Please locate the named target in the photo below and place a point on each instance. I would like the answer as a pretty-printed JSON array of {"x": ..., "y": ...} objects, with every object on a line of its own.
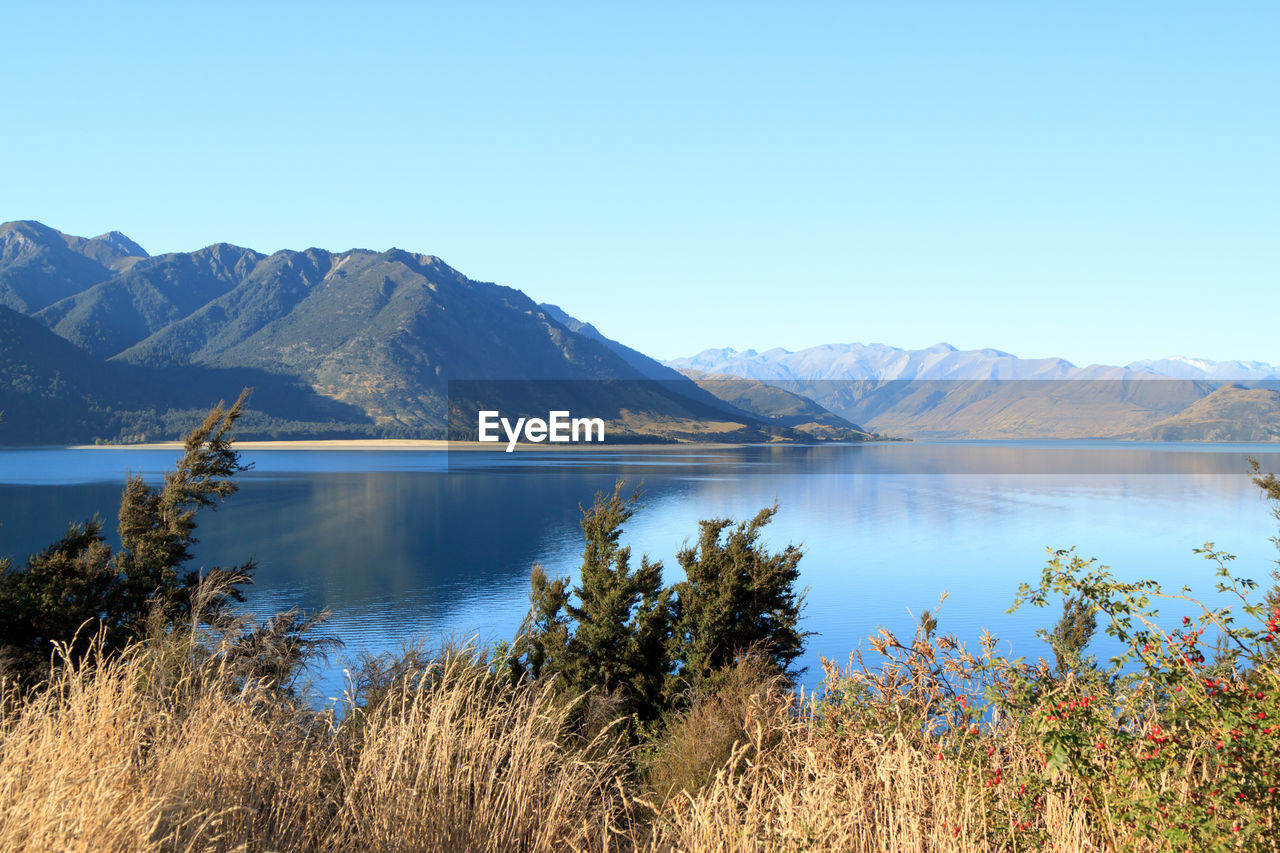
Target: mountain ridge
[
  {"x": 1228, "y": 413},
  {"x": 362, "y": 341},
  {"x": 856, "y": 361},
  {"x": 742, "y": 396},
  {"x": 367, "y": 343},
  {"x": 940, "y": 392}
]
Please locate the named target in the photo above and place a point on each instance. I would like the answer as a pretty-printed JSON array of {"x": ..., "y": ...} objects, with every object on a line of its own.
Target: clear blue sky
[{"x": 1099, "y": 181}]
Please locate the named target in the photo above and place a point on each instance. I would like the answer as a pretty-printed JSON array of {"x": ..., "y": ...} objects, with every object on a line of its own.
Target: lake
[{"x": 401, "y": 545}]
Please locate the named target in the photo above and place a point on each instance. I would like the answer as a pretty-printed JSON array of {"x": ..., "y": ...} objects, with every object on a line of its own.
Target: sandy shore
[
  {"x": 327, "y": 444},
  {"x": 408, "y": 444}
]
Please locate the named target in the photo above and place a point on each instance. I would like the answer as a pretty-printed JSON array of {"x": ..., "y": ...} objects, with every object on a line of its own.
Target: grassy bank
[
  {"x": 140, "y": 755},
  {"x": 628, "y": 715},
  {"x": 171, "y": 747}
]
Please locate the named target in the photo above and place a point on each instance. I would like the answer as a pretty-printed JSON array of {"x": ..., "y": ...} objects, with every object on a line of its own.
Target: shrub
[
  {"x": 736, "y": 596},
  {"x": 620, "y": 617},
  {"x": 726, "y": 720},
  {"x": 78, "y": 591},
  {"x": 620, "y": 633},
  {"x": 1169, "y": 746}
]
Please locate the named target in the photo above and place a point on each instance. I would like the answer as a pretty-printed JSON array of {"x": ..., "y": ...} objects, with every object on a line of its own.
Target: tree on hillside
[{"x": 78, "y": 588}]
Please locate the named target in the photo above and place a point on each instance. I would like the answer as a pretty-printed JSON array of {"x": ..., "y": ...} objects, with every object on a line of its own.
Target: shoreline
[
  {"x": 444, "y": 445},
  {"x": 427, "y": 444}
]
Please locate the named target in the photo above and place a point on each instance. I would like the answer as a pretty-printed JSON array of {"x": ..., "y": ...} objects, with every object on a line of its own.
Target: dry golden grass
[
  {"x": 856, "y": 792},
  {"x": 456, "y": 760},
  {"x": 165, "y": 749},
  {"x": 799, "y": 782},
  {"x": 473, "y": 764}
]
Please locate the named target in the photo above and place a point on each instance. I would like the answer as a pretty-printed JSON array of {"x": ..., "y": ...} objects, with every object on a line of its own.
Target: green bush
[
  {"x": 79, "y": 592},
  {"x": 619, "y": 632}
]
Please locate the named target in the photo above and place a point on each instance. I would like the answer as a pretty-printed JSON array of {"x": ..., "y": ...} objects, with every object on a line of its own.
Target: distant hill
[
  {"x": 50, "y": 391},
  {"x": 103, "y": 341},
  {"x": 1230, "y": 413},
  {"x": 944, "y": 393},
  {"x": 113, "y": 250},
  {"x": 942, "y": 361},
  {"x": 778, "y": 405},
  {"x": 380, "y": 331},
  {"x": 754, "y": 399},
  {"x": 877, "y": 361},
  {"x": 127, "y": 308},
  {"x": 1004, "y": 408},
  {"x": 1180, "y": 367},
  {"x": 125, "y": 346}
]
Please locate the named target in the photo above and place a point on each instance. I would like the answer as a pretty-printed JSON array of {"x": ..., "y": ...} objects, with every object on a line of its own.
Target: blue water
[{"x": 402, "y": 545}]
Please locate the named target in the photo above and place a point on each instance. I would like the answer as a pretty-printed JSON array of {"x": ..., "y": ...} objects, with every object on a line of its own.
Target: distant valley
[{"x": 944, "y": 393}]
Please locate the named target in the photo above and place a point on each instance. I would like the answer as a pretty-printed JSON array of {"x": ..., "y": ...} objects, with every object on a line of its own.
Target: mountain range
[
  {"x": 944, "y": 393},
  {"x": 943, "y": 361},
  {"x": 102, "y": 341}
]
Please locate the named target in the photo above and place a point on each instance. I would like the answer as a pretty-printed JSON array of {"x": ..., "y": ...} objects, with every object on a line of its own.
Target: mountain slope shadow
[{"x": 279, "y": 406}]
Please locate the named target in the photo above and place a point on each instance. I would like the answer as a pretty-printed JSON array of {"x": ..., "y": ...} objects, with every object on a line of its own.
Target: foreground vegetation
[{"x": 628, "y": 715}]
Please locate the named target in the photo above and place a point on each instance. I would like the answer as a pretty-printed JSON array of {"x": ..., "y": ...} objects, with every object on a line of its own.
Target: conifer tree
[
  {"x": 622, "y": 632},
  {"x": 78, "y": 589},
  {"x": 1071, "y": 635},
  {"x": 620, "y": 616},
  {"x": 157, "y": 526},
  {"x": 63, "y": 593},
  {"x": 546, "y": 634},
  {"x": 736, "y": 598}
]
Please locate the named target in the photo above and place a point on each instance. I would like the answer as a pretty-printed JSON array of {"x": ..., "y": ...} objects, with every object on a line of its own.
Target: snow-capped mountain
[
  {"x": 943, "y": 361},
  {"x": 1181, "y": 367},
  {"x": 878, "y": 361}
]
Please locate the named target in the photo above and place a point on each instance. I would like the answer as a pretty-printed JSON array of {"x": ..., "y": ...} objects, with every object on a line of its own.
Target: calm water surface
[{"x": 401, "y": 545}]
